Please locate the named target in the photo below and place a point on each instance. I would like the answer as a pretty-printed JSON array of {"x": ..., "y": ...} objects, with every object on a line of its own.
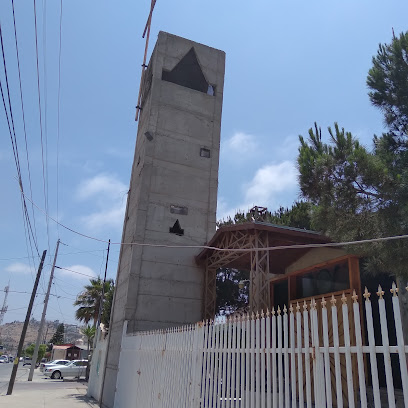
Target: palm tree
[
  {"x": 89, "y": 300},
  {"x": 89, "y": 332}
]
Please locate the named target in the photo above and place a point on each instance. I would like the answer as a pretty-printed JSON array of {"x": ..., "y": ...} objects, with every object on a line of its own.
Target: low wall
[{"x": 97, "y": 367}]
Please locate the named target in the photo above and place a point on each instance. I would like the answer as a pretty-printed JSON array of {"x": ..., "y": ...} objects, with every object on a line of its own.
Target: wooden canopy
[{"x": 253, "y": 236}]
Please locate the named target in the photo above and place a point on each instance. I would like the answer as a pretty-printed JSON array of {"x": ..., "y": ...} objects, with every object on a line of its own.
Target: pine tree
[
  {"x": 58, "y": 337},
  {"x": 361, "y": 194}
]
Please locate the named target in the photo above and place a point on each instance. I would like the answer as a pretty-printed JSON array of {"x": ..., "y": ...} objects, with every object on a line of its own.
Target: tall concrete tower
[{"x": 173, "y": 193}]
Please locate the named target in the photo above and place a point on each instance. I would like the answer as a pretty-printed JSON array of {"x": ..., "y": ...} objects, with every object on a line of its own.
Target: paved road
[
  {"x": 5, "y": 372},
  {"x": 41, "y": 382}
]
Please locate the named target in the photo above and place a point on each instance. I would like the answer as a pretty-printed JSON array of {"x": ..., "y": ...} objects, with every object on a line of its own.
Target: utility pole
[
  {"x": 23, "y": 333},
  {"x": 47, "y": 296},
  {"x": 103, "y": 289}
]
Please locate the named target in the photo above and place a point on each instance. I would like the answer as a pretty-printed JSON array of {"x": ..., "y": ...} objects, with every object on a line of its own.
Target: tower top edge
[{"x": 163, "y": 34}]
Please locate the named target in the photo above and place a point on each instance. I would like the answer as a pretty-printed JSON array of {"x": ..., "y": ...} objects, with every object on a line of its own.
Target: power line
[
  {"x": 22, "y": 110},
  {"x": 38, "y": 293},
  {"x": 41, "y": 124},
  {"x": 67, "y": 253},
  {"x": 60, "y": 288},
  {"x": 275, "y": 248},
  {"x": 14, "y": 144},
  {"x": 58, "y": 109},
  {"x": 44, "y": 49},
  {"x": 79, "y": 273}
]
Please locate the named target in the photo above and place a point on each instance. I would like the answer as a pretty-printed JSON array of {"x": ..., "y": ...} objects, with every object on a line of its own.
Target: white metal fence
[{"x": 319, "y": 353}]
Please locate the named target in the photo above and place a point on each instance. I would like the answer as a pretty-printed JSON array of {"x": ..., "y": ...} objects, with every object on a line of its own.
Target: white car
[
  {"x": 76, "y": 368},
  {"x": 52, "y": 363},
  {"x": 4, "y": 359}
]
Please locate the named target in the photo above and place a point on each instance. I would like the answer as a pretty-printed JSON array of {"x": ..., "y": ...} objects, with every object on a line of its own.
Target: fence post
[
  {"x": 349, "y": 370},
  {"x": 371, "y": 345},
  {"x": 286, "y": 355},
  {"x": 263, "y": 357},
  {"x": 280, "y": 368},
  {"x": 359, "y": 344},
  {"x": 299, "y": 354},
  {"x": 337, "y": 369},
  {"x": 292, "y": 354},
  {"x": 196, "y": 366},
  {"x": 247, "y": 361},
  {"x": 400, "y": 342},
  {"x": 329, "y": 401},
  {"x": 274, "y": 385},
  {"x": 307, "y": 355},
  {"x": 320, "y": 397},
  {"x": 386, "y": 348},
  {"x": 268, "y": 361}
]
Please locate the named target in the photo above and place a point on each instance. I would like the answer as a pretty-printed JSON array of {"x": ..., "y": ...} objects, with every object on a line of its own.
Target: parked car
[
  {"x": 76, "y": 368},
  {"x": 4, "y": 359},
  {"x": 52, "y": 363}
]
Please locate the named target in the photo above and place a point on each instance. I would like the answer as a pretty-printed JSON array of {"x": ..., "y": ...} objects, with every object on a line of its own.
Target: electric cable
[
  {"x": 23, "y": 114},
  {"x": 38, "y": 294},
  {"x": 60, "y": 288},
  {"x": 44, "y": 50},
  {"x": 79, "y": 273},
  {"x": 59, "y": 306},
  {"x": 58, "y": 109},
  {"x": 41, "y": 124},
  {"x": 14, "y": 143}
]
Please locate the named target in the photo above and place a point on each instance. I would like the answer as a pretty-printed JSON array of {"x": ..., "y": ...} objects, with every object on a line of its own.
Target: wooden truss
[
  {"x": 254, "y": 238},
  {"x": 259, "y": 268}
]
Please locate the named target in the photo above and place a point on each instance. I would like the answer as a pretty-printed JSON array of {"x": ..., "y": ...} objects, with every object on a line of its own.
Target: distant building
[{"x": 69, "y": 352}]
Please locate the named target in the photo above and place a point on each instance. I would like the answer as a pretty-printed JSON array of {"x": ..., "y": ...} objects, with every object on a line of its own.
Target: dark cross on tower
[{"x": 146, "y": 33}]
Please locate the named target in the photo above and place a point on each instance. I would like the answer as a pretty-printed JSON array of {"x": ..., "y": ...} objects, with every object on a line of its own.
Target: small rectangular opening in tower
[
  {"x": 178, "y": 209},
  {"x": 205, "y": 152}
]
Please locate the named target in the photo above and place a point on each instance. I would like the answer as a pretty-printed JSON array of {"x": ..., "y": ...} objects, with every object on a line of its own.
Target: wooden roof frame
[{"x": 255, "y": 237}]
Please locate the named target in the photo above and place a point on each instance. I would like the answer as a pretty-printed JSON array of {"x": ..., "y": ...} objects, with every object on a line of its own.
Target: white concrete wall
[{"x": 97, "y": 368}]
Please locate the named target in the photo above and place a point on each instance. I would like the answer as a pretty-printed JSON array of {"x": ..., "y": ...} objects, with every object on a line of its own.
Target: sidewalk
[
  {"x": 43, "y": 392},
  {"x": 72, "y": 396}
]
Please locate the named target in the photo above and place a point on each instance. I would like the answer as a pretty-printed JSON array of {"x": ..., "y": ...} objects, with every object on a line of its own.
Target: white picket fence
[{"x": 312, "y": 355}]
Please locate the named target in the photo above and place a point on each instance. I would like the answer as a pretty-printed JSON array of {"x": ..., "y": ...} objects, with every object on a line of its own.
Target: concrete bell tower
[{"x": 173, "y": 194}]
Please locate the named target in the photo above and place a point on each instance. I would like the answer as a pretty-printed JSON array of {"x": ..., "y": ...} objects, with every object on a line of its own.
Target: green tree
[
  {"x": 58, "y": 337},
  {"x": 361, "y": 194},
  {"x": 388, "y": 83},
  {"x": 89, "y": 332},
  {"x": 89, "y": 301},
  {"x": 298, "y": 216},
  {"x": 229, "y": 296},
  {"x": 107, "y": 307},
  {"x": 29, "y": 351}
]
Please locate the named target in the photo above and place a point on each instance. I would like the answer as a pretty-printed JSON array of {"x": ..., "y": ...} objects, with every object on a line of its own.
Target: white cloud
[
  {"x": 108, "y": 195},
  {"x": 111, "y": 217},
  {"x": 272, "y": 185},
  {"x": 270, "y": 180},
  {"x": 240, "y": 143},
  {"x": 18, "y": 267},
  {"x": 81, "y": 269},
  {"x": 100, "y": 184}
]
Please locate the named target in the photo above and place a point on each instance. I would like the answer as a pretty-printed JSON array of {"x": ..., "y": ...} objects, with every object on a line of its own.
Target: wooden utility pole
[
  {"x": 40, "y": 330},
  {"x": 23, "y": 333}
]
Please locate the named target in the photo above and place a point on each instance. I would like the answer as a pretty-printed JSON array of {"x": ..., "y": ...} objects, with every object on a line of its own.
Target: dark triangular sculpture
[
  {"x": 187, "y": 73},
  {"x": 176, "y": 229}
]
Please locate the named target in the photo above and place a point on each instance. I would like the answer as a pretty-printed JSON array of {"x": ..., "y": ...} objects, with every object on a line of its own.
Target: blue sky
[{"x": 289, "y": 64}]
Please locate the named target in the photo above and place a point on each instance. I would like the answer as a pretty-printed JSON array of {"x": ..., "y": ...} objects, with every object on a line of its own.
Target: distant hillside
[{"x": 10, "y": 333}]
